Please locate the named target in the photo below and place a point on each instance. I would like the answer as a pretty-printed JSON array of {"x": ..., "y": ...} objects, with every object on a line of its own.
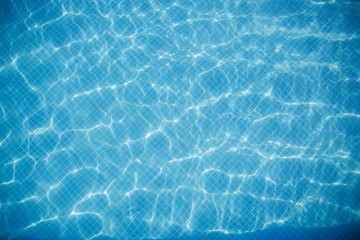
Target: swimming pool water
[{"x": 165, "y": 119}]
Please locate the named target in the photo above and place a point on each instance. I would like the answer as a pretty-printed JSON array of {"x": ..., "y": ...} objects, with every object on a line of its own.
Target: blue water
[{"x": 179, "y": 119}]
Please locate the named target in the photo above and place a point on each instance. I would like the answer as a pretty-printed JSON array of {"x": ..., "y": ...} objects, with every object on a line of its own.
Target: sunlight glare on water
[{"x": 153, "y": 119}]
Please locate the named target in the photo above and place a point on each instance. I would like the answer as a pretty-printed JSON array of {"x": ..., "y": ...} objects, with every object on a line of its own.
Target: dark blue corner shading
[{"x": 179, "y": 119}]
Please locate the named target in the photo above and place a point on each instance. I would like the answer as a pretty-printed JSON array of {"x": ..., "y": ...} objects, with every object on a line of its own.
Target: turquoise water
[{"x": 175, "y": 119}]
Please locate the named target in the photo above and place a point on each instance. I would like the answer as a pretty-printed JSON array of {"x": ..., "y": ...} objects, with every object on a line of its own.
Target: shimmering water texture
[{"x": 162, "y": 119}]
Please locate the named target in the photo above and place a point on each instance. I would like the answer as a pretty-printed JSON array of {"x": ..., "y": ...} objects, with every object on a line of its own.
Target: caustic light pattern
[{"x": 169, "y": 118}]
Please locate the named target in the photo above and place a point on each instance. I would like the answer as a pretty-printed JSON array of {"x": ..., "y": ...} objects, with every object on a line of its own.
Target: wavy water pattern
[{"x": 171, "y": 118}]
